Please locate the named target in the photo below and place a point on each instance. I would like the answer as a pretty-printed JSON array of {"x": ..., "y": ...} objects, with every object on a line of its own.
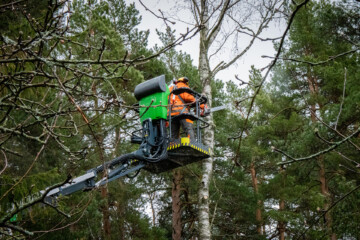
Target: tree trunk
[
  {"x": 106, "y": 213},
  {"x": 176, "y": 205},
  {"x": 104, "y": 190},
  {"x": 151, "y": 198},
  {"x": 208, "y": 139},
  {"x": 314, "y": 89},
  {"x": 325, "y": 192},
  {"x": 281, "y": 223},
  {"x": 259, "y": 203},
  {"x": 121, "y": 211},
  {"x": 204, "y": 218}
]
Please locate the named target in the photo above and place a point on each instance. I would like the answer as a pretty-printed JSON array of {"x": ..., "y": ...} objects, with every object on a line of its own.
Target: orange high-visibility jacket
[{"x": 177, "y": 106}]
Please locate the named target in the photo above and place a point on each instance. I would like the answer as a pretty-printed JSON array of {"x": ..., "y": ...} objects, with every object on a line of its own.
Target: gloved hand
[{"x": 205, "y": 111}]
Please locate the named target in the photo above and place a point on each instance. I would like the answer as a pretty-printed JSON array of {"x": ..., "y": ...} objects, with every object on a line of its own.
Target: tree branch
[
  {"x": 22, "y": 207},
  {"x": 331, "y": 58},
  {"x": 215, "y": 30},
  {"x": 327, "y": 210},
  {"x": 18, "y": 228},
  {"x": 157, "y": 16},
  {"x": 29, "y": 169},
  {"x": 332, "y": 147},
  {"x": 6, "y": 162},
  {"x": 11, "y": 4},
  {"x": 266, "y": 20},
  {"x": 342, "y": 100}
]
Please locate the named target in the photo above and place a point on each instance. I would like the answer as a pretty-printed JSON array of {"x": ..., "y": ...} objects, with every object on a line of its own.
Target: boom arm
[
  {"x": 153, "y": 148},
  {"x": 115, "y": 169}
]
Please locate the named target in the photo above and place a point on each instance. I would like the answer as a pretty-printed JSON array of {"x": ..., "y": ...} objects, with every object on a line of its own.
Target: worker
[{"x": 181, "y": 104}]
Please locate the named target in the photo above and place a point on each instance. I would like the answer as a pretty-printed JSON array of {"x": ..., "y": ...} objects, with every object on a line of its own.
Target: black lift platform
[
  {"x": 155, "y": 154},
  {"x": 181, "y": 152}
]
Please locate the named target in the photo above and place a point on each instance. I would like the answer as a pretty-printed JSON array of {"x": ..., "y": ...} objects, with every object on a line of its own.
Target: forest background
[{"x": 285, "y": 161}]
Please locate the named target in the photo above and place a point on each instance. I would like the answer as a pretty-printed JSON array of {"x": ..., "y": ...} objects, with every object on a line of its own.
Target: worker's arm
[{"x": 187, "y": 97}]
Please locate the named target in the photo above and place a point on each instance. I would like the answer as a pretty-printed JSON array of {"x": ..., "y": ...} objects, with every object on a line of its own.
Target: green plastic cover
[{"x": 154, "y": 106}]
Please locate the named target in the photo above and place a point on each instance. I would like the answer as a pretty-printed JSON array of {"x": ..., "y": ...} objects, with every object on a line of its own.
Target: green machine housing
[{"x": 153, "y": 99}]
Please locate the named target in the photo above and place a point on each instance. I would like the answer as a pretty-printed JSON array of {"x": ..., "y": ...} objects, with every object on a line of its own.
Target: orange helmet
[{"x": 182, "y": 79}]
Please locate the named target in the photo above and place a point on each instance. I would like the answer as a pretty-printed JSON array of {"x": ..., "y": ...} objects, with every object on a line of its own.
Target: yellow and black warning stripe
[{"x": 185, "y": 142}]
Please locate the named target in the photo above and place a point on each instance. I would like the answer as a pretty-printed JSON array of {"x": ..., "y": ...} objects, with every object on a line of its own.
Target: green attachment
[
  {"x": 14, "y": 218},
  {"x": 154, "y": 106}
]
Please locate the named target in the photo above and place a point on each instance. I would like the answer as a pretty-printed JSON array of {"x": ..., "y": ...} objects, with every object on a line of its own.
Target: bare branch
[
  {"x": 58, "y": 210},
  {"x": 259, "y": 38},
  {"x": 332, "y": 147},
  {"x": 342, "y": 100},
  {"x": 11, "y": 151},
  {"x": 331, "y": 143},
  {"x": 82, "y": 211},
  {"x": 327, "y": 210},
  {"x": 196, "y": 12},
  {"x": 215, "y": 30},
  {"x": 29, "y": 169},
  {"x": 6, "y": 162},
  {"x": 160, "y": 17},
  {"x": 11, "y": 4},
  {"x": 331, "y": 58},
  {"x": 17, "y": 228},
  {"x": 102, "y": 49},
  {"x": 34, "y": 201},
  {"x": 321, "y": 138},
  {"x": 345, "y": 157},
  {"x": 266, "y": 20},
  {"x": 328, "y": 126}
]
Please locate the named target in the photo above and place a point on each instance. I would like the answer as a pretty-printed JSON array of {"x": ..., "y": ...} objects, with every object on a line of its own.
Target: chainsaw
[{"x": 207, "y": 111}]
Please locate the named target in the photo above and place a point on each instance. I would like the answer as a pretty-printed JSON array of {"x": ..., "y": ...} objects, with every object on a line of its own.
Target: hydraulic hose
[{"x": 115, "y": 161}]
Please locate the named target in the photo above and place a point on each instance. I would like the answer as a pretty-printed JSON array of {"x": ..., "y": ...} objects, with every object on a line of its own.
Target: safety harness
[{"x": 181, "y": 99}]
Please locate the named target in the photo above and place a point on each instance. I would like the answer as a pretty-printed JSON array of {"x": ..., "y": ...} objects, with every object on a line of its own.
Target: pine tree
[{"x": 316, "y": 84}]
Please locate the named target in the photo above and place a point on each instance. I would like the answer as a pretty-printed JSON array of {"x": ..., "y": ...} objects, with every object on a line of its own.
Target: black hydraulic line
[
  {"x": 169, "y": 115},
  {"x": 117, "y": 171},
  {"x": 198, "y": 132},
  {"x": 115, "y": 161},
  {"x": 121, "y": 174},
  {"x": 134, "y": 176},
  {"x": 162, "y": 146}
]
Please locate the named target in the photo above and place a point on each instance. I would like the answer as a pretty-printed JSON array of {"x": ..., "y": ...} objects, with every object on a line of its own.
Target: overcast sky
[{"x": 241, "y": 68}]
